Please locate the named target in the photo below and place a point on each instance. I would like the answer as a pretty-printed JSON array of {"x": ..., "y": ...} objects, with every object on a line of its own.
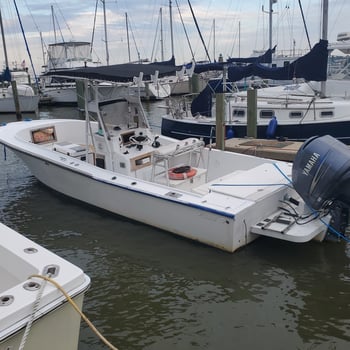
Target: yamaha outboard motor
[{"x": 321, "y": 176}]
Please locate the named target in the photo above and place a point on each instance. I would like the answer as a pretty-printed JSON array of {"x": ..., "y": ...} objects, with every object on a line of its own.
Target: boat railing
[{"x": 164, "y": 157}]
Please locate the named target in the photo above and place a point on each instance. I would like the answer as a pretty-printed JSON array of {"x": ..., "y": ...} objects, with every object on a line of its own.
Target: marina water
[{"x": 152, "y": 290}]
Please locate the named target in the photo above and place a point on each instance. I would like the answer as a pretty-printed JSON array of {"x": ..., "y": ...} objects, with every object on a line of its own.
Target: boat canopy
[{"x": 70, "y": 51}]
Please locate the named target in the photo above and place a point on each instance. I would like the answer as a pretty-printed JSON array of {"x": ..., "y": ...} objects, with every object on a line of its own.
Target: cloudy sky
[{"x": 228, "y": 27}]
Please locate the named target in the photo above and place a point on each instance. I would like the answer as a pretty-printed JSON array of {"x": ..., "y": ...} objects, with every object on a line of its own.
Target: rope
[
  {"x": 305, "y": 27},
  {"x": 31, "y": 319},
  {"x": 76, "y": 308}
]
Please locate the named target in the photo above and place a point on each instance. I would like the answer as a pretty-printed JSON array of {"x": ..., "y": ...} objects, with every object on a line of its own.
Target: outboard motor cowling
[{"x": 321, "y": 172}]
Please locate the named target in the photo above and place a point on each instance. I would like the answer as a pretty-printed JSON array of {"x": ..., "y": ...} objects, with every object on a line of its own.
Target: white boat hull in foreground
[{"x": 56, "y": 324}]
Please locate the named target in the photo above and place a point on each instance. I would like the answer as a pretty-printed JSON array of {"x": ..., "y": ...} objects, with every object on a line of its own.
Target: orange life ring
[{"x": 181, "y": 173}]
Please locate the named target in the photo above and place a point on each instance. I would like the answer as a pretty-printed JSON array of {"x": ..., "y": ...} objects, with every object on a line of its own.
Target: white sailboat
[
  {"x": 294, "y": 111},
  {"x": 15, "y": 98}
]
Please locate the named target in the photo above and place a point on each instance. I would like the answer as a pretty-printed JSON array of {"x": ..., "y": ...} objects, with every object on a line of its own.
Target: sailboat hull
[{"x": 182, "y": 128}]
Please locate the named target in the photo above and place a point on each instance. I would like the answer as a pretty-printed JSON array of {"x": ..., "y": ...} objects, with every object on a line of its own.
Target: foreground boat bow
[{"x": 51, "y": 324}]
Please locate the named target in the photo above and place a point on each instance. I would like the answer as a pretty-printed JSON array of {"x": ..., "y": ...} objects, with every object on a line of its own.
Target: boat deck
[{"x": 271, "y": 149}]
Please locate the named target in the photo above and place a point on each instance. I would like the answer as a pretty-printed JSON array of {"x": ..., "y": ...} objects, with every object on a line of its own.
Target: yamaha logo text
[{"x": 310, "y": 164}]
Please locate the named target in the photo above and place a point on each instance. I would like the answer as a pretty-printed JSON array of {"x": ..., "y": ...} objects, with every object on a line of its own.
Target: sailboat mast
[
  {"x": 239, "y": 39},
  {"x": 54, "y": 24},
  {"x": 127, "y": 34},
  {"x": 105, "y": 28},
  {"x": 171, "y": 29},
  {"x": 3, "y": 41},
  {"x": 199, "y": 32},
  {"x": 270, "y": 12},
  {"x": 270, "y": 24},
  {"x": 325, "y": 20},
  {"x": 324, "y": 36},
  {"x": 214, "y": 44},
  {"x": 161, "y": 34}
]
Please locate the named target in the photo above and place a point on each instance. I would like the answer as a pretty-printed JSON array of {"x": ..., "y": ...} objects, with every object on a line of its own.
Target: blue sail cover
[
  {"x": 264, "y": 58},
  {"x": 203, "y": 103},
  {"x": 5, "y": 75},
  {"x": 312, "y": 66},
  {"x": 217, "y": 66},
  {"x": 120, "y": 72}
]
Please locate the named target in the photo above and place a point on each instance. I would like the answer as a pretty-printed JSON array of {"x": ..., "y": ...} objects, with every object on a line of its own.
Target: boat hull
[
  {"x": 27, "y": 104},
  {"x": 209, "y": 227},
  {"x": 56, "y": 330},
  {"x": 34, "y": 312},
  {"x": 64, "y": 95},
  {"x": 182, "y": 128}
]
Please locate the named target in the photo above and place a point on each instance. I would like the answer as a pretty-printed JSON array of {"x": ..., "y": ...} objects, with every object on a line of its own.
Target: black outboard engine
[{"x": 321, "y": 176}]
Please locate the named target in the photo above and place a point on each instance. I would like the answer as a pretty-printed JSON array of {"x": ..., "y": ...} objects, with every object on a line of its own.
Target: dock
[{"x": 271, "y": 149}]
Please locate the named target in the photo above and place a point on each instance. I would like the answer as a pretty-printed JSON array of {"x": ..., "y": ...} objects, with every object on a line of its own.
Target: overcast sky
[{"x": 234, "y": 20}]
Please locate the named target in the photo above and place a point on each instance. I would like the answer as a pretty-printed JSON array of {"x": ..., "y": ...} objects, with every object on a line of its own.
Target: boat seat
[
  {"x": 70, "y": 149},
  {"x": 163, "y": 154}
]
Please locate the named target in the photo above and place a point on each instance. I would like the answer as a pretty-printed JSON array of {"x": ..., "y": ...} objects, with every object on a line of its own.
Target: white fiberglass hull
[
  {"x": 132, "y": 202},
  {"x": 60, "y": 95},
  {"x": 56, "y": 324},
  {"x": 56, "y": 330},
  {"x": 27, "y": 104}
]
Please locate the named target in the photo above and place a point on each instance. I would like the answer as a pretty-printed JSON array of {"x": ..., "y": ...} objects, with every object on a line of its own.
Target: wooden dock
[{"x": 272, "y": 149}]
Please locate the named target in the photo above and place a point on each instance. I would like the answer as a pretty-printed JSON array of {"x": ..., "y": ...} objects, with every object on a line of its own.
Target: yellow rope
[{"x": 75, "y": 306}]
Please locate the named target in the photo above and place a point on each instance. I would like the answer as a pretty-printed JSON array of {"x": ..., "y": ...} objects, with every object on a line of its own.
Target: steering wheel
[{"x": 140, "y": 139}]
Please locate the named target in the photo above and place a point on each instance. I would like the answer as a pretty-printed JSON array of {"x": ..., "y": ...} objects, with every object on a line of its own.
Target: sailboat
[
  {"x": 294, "y": 111},
  {"x": 15, "y": 98}
]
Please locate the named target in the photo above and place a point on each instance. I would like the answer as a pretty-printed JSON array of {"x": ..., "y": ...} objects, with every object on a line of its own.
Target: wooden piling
[
  {"x": 16, "y": 100},
  {"x": 80, "y": 90},
  {"x": 252, "y": 113},
  {"x": 220, "y": 120}
]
